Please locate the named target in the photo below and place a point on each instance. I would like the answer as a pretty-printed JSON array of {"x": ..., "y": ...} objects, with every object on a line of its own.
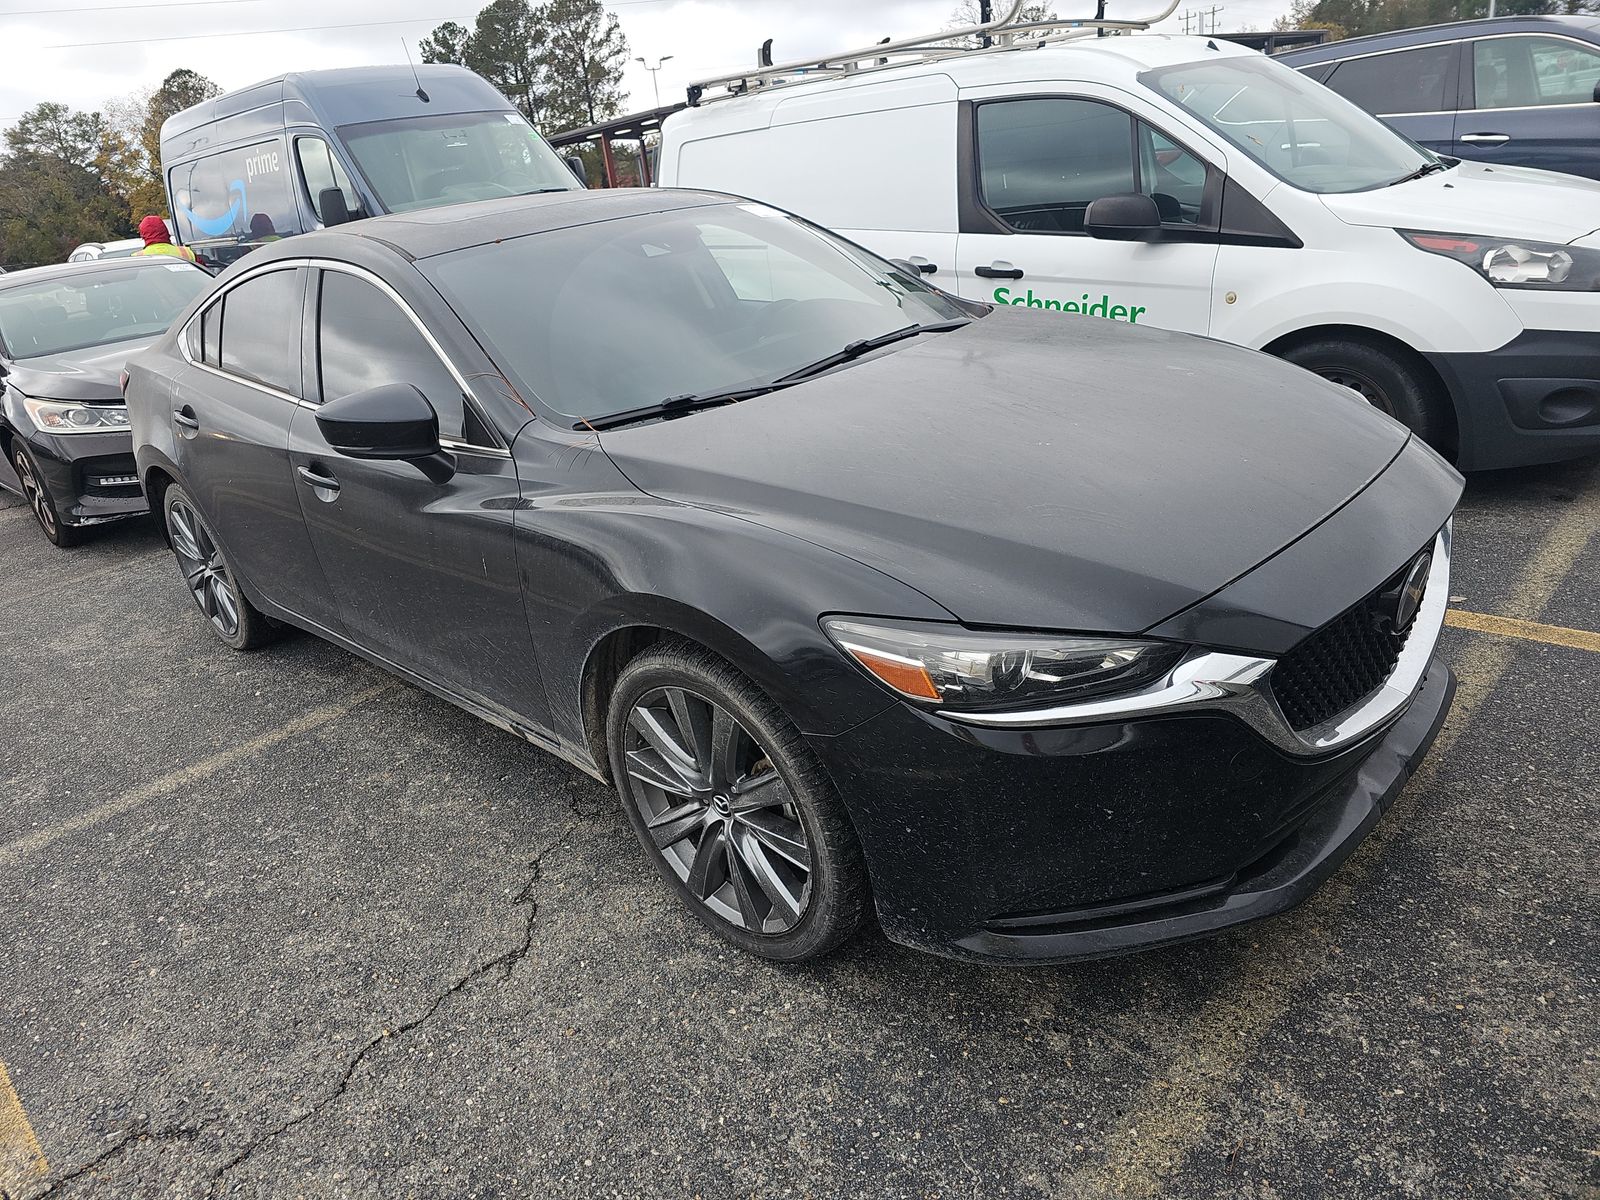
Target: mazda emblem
[{"x": 1408, "y": 596}]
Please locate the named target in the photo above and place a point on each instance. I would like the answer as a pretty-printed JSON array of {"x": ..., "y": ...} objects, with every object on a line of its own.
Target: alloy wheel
[
  {"x": 203, "y": 567},
  {"x": 1360, "y": 385},
  {"x": 717, "y": 811},
  {"x": 33, "y": 492}
]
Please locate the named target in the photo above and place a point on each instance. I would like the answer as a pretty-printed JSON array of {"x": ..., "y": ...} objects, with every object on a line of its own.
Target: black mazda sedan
[
  {"x": 1039, "y": 641},
  {"x": 65, "y": 333}
]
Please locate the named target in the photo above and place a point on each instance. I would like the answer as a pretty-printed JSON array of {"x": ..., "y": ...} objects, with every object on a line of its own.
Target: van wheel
[
  {"x": 1383, "y": 379},
  {"x": 732, "y": 807}
]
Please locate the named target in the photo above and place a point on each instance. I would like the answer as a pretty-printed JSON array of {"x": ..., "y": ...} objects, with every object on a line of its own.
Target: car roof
[
  {"x": 93, "y": 266},
  {"x": 430, "y": 231},
  {"x": 1090, "y": 59},
  {"x": 1583, "y": 27}
]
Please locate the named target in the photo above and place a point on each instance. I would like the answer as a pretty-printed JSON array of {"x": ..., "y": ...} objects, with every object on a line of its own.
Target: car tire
[
  {"x": 732, "y": 806},
  {"x": 209, "y": 575},
  {"x": 1382, "y": 378},
  {"x": 41, "y": 503}
]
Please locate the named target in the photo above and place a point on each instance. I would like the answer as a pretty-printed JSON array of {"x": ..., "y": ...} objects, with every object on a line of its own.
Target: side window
[
  {"x": 1406, "y": 81},
  {"x": 1171, "y": 176},
  {"x": 211, "y": 335},
  {"x": 259, "y": 335},
  {"x": 365, "y": 340},
  {"x": 232, "y": 201},
  {"x": 1042, "y": 162},
  {"x": 321, "y": 171},
  {"x": 1523, "y": 72}
]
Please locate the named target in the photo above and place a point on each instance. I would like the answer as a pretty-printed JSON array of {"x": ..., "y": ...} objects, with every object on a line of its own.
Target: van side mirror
[
  {"x": 332, "y": 206},
  {"x": 1126, "y": 217},
  {"x": 575, "y": 165},
  {"x": 392, "y": 422}
]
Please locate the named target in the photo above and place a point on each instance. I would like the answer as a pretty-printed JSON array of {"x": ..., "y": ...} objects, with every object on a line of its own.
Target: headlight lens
[
  {"x": 1512, "y": 263},
  {"x": 947, "y": 666},
  {"x": 54, "y": 416}
]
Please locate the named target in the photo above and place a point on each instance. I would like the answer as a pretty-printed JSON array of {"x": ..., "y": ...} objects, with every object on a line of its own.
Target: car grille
[{"x": 1342, "y": 663}]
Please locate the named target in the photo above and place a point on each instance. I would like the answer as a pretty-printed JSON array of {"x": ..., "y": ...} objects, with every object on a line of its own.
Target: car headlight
[
  {"x": 948, "y": 666},
  {"x": 1514, "y": 263},
  {"x": 55, "y": 416}
]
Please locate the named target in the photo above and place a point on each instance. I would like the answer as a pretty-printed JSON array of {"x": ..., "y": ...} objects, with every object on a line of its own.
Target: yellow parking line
[
  {"x": 22, "y": 1159},
  {"x": 1172, "y": 1117},
  {"x": 1533, "y": 631},
  {"x": 13, "y": 853}
]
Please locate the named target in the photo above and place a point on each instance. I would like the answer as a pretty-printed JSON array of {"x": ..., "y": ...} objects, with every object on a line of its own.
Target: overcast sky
[{"x": 86, "y": 52}]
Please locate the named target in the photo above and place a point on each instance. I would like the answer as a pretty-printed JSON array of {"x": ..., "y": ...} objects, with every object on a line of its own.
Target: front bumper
[
  {"x": 1069, "y": 843},
  {"x": 84, "y": 472},
  {"x": 1534, "y": 400}
]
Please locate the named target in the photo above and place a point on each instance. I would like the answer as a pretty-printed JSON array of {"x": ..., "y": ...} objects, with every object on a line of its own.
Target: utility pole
[{"x": 654, "y": 82}]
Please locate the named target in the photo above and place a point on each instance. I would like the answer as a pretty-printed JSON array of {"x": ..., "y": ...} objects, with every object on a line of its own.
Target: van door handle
[
  {"x": 1486, "y": 139},
  {"x": 923, "y": 265},
  {"x": 998, "y": 270},
  {"x": 318, "y": 480}
]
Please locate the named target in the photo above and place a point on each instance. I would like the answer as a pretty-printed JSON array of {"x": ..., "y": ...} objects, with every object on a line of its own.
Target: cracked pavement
[{"x": 396, "y": 952}]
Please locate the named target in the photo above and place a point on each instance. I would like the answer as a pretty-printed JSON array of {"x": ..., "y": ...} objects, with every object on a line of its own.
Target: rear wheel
[
  {"x": 208, "y": 575},
  {"x": 732, "y": 806},
  {"x": 1382, "y": 378},
  {"x": 37, "y": 493}
]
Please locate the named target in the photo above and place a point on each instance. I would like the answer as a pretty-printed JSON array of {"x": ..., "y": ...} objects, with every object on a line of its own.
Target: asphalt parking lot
[{"x": 278, "y": 925}]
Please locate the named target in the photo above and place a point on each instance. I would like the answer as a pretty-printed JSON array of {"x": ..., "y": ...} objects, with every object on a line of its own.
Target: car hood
[
  {"x": 89, "y": 375},
  {"x": 1477, "y": 198},
  {"x": 1032, "y": 469}
]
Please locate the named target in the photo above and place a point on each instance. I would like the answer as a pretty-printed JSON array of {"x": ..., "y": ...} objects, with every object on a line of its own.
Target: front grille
[{"x": 1342, "y": 663}]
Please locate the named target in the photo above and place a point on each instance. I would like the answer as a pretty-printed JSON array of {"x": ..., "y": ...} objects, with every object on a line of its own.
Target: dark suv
[{"x": 1514, "y": 90}]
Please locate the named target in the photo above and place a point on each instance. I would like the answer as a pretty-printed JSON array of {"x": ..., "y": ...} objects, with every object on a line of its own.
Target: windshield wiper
[
  {"x": 1427, "y": 168},
  {"x": 676, "y": 404},
  {"x": 694, "y": 401},
  {"x": 856, "y": 349}
]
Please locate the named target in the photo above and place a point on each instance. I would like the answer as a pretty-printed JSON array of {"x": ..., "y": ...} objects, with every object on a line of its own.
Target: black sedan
[
  {"x": 1040, "y": 641},
  {"x": 65, "y": 333}
]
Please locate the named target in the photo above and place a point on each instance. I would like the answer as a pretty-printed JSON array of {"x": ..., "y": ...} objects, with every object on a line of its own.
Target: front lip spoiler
[{"x": 1211, "y": 681}]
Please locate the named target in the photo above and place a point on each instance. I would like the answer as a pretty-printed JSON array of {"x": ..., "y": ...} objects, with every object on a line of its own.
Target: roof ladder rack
[{"x": 1007, "y": 32}]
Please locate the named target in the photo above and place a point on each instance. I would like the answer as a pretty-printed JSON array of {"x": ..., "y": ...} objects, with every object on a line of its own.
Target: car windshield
[
  {"x": 95, "y": 308},
  {"x": 619, "y": 315},
  {"x": 423, "y": 162},
  {"x": 1303, "y": 133}
]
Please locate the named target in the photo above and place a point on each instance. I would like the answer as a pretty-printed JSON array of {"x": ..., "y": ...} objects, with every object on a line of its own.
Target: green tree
[
  {"x": 507, "y": 48},
  {"x": 584, "y": 59},
  {"x": 446, "y": 44},
  {"x": 56, "y": 186}
]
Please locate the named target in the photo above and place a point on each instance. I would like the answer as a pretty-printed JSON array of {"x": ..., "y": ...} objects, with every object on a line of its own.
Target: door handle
[
  {"x": 923, "y": 265},
  {"x": 1486, "y": 139},
  {"x": 317, "y": 479},
  {"x": 185, "y": 419},
  {"x": 998, "y": 270}
]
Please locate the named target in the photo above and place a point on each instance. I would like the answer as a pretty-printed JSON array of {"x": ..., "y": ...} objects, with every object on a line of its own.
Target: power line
[
  {"x": 189, "y": 37},
  {"x": 50, "y": 12}
]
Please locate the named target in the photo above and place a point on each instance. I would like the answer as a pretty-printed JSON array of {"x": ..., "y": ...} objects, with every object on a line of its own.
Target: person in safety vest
[{"x": 158, "y": 241}]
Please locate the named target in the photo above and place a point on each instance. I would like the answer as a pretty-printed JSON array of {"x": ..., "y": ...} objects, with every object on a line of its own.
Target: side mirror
[
  {"x": 391, "y": 422},
  {"x": 1126, "y": 217},
  {"x": 331, "y": 204},
  {"x": 575, "y": 165}
]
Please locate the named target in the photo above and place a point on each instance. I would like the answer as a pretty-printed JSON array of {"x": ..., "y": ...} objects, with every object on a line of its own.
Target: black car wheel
[
  {"x": 37, "y": 493},
  {"x": 1381, "y": 379},
  {"x": 209, "y": 577},
  {"x": 732, "y": 806}
]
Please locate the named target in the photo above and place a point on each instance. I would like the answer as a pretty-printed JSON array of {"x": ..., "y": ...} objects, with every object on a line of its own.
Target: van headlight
[
  {"x": 1514, "y": 263},
  {"x": 949, "y": 666},
  {"x": 55, "y": 416}
]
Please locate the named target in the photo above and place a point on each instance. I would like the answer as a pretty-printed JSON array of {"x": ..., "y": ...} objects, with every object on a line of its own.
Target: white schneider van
[{"x": 1197, "y": 186}]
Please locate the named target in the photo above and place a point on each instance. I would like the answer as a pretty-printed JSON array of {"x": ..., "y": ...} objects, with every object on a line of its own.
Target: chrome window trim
[
  {"x": 1212, "y": 681},
  {"x": 499, "y": 450}
]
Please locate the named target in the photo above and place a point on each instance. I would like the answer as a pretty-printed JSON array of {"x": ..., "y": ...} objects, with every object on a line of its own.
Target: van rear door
[{"x": 1033, "y": 159}]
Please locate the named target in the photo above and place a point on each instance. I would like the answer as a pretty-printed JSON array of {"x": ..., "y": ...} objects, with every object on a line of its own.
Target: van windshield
[
  {"x": 423, "y": 162},
  {"x": 1303, "y": 133}
]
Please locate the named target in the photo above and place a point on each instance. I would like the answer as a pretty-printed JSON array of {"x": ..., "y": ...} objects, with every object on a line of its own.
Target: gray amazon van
[{"x": 317, "y": 148}]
